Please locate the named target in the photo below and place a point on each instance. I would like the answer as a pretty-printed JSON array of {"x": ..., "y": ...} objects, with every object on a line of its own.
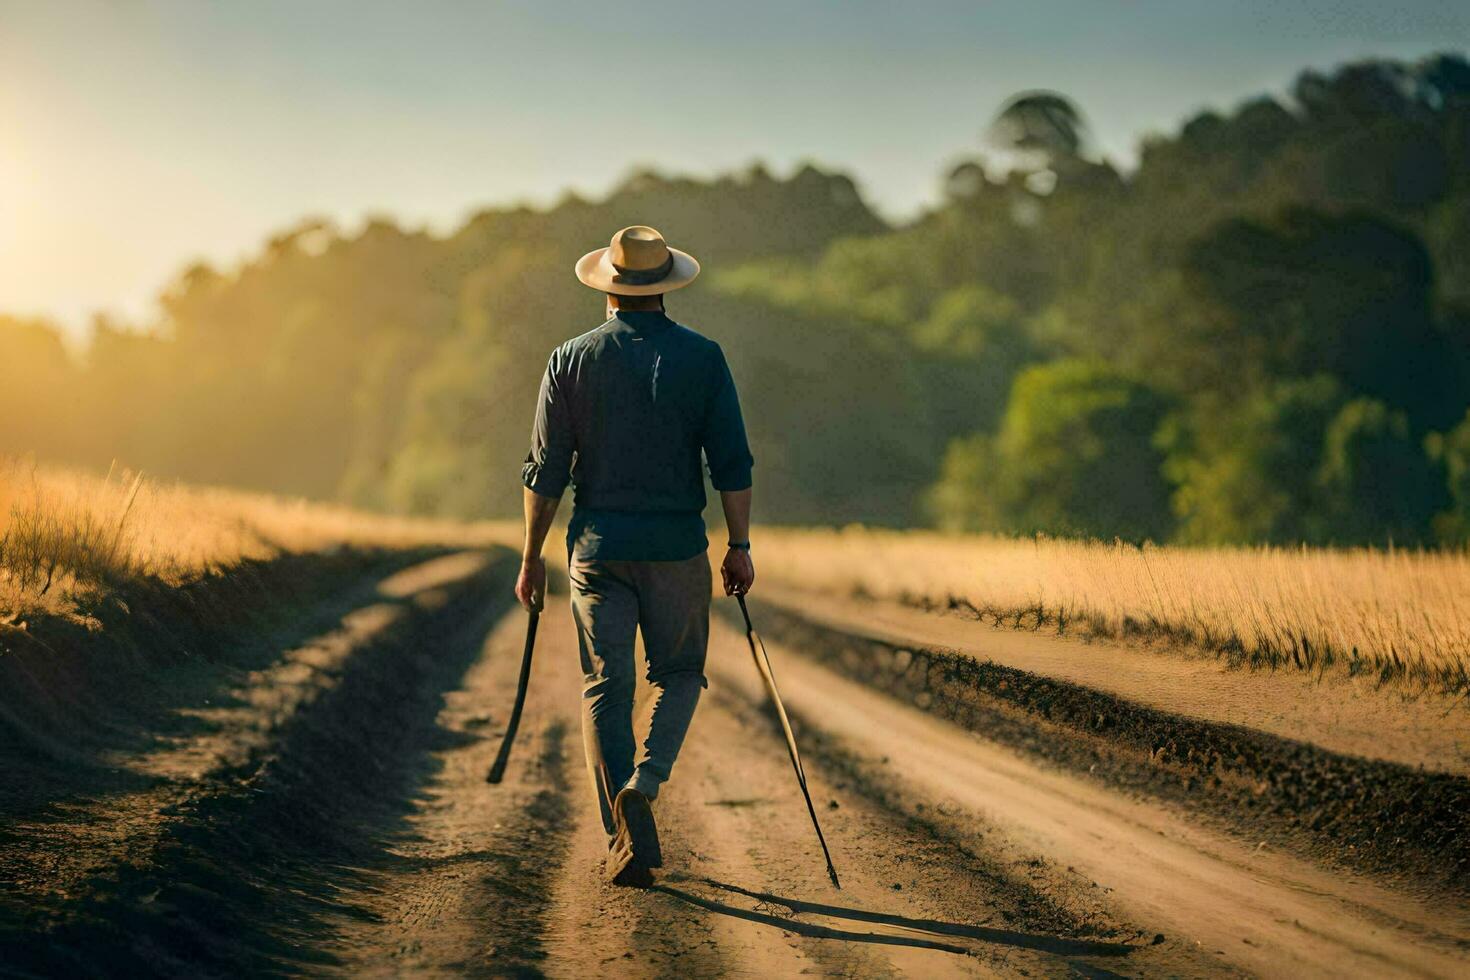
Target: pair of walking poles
[{"x": 762, "y": 664}]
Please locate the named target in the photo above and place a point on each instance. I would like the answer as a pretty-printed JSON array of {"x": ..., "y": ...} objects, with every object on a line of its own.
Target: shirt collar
[{"x": 642, "y": 319}]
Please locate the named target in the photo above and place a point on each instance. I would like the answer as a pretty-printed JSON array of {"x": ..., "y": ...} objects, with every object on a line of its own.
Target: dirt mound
[
  {"x": 75, "y": 691},
  {"x": 284, "y": 772}
]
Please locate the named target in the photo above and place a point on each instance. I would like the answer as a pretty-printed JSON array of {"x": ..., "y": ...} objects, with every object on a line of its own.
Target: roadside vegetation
[
  {"x": 1402, "y": 615},
  {"x": 67, "y": 536}
]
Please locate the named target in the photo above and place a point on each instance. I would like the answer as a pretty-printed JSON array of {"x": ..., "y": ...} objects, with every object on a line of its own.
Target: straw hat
[{"x": 637, "y": 263}]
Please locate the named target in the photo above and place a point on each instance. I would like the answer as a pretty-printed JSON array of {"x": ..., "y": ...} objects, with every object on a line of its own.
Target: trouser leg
[
  {"x": 605, "y": 608},
  {"x": 673, "y": 611}
]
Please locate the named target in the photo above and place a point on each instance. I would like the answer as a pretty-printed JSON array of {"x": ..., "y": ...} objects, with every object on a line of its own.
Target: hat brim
[{"x": 595, "y": 269}]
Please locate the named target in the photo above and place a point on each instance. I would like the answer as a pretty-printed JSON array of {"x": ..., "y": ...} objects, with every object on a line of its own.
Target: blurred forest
[{"x": 1260, "y": 334}]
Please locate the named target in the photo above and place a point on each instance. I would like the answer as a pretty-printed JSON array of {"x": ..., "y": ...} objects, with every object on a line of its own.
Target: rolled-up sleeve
[
  {"x": 726, "y": 449},
  {"x": 548, "y": 466}
]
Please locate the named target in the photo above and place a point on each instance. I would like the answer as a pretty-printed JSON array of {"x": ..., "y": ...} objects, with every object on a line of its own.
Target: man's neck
[{"x": 613, "y": 311}]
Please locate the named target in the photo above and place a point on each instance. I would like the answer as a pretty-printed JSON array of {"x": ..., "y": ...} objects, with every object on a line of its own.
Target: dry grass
[
  {"x": 64, "y": 533},
  {"x": 1404, "y": 615}
]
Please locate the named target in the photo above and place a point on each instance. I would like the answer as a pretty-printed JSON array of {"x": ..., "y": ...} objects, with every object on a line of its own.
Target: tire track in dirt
[
  {"x": 464, "y": 886},
  {"x": 127, "y": 827},
  {"x": 913, "y": 903},
  {"x": 507, "y": 880},
  {"x": 592, "y": 927},
  {"x": 755, "y": 850}
]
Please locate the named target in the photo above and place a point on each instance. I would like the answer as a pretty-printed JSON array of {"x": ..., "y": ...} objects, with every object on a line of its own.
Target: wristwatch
[{"x": 740, "y": 545}]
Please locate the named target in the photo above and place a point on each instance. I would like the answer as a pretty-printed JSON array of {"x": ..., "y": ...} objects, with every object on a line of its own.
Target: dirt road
[{"x": 333, "y": 818}]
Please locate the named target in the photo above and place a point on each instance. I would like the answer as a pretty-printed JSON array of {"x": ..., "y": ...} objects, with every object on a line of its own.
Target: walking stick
[
  {"x": 763, "y": 664},
  {"x": 497, "y": 771}
]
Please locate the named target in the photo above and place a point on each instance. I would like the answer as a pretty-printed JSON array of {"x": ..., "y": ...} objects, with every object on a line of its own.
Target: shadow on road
[{"x": 922, "y": 933}]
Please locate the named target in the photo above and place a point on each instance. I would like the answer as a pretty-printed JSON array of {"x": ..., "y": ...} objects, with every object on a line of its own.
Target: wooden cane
[
  {"x": 763, "y": 664},
  {"x": 497, "y": 771}
]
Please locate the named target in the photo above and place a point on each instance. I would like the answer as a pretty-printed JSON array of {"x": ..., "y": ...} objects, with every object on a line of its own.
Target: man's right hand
[
  {"x": 737, "y": 571},
  {"x": 531, "y": 584}
]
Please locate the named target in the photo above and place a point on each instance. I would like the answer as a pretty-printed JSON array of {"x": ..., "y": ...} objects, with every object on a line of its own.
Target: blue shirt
[{"x": 624, "y": 413}]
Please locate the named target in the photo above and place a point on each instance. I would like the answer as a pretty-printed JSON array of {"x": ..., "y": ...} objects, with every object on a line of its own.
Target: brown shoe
[
  {"x": 633, "y": 817},
  {"x": 623, "y": 869}
]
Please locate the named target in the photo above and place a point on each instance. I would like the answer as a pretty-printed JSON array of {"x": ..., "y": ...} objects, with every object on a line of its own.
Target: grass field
[
  {"x": 64, "y": 532},
  {"x": 1404, "y": 615}
]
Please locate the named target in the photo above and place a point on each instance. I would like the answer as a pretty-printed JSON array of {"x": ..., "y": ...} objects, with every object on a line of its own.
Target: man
[{"x": 624, "y": 414}]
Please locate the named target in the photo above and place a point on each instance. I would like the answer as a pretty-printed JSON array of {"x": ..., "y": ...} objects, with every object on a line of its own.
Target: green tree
[
  {"x": 971, "y": 346},
  {"x": 1451, "y": 453},
  {"x": 965, "y": 496},
  {"x": 1350, "y": 296},
  {"x": 465, "y": 430},
  {"x": 1074, "y": 454},
  {"x": 1378, "y": 484},
  {"x": 1246, "y": 471}
]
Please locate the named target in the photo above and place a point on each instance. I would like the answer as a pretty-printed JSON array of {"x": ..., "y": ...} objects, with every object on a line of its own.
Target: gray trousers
[{"x": 611, "y": 601}]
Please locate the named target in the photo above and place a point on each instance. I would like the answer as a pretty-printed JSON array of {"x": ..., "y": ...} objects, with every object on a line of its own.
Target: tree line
[{"x": 1262, "y": 333}]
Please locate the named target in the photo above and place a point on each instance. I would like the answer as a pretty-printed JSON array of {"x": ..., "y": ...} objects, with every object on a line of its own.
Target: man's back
[{"x": 624, "y": 413}]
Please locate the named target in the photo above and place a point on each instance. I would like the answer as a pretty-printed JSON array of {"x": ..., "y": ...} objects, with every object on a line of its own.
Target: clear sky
[{"x": 136, "y": 135}]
